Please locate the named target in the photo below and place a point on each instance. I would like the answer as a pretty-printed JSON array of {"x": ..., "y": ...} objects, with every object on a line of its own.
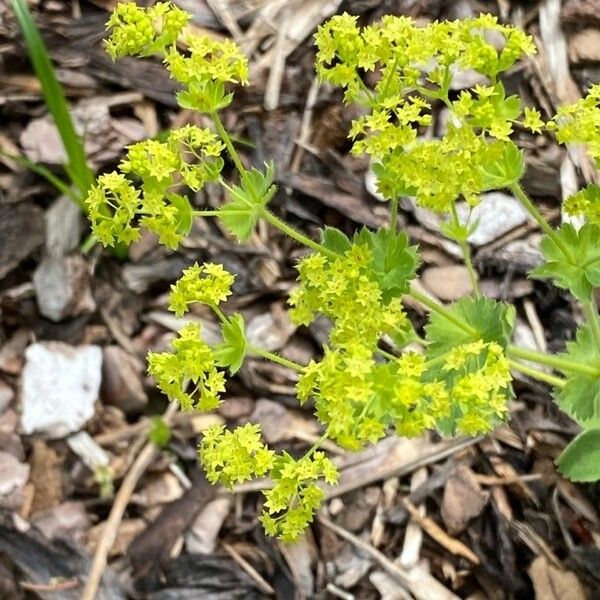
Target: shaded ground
[{"x": 482, "y": 518}]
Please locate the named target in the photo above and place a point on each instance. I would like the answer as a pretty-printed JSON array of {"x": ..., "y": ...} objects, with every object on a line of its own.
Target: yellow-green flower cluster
[
  {"x": 112, "y": 205},
  {"x": 207, "y": 284},
  {"x": 386, "y": 129},
  {"x": 417, "y": 404},
  {"x": 137, "y": 31},
  {"x": 409, "y": 57},
  {"x": 208, "y": 59},
  {"x": 415, "y": 66},
  {"x": 231, "y": 457},
  {"x": 346, "y": 291},
  {"x": 580, "y": 123},
  {"x": 191, "y": 364},
  {"x": 190, "y": 155},
  {"x": 479, "y": 381},
  {"x": 358, "y": 398},
  {"x": 438, "y": 171},
  {"x": 203, "y": 69},
  {"x": 295, "y": 496},
  {"x": 585, "y": 203}
]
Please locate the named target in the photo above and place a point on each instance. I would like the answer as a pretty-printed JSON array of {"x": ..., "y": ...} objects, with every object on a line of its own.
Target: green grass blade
[
  {"x": 55, "y": 99},
  {"x": 55, "y": 181}
]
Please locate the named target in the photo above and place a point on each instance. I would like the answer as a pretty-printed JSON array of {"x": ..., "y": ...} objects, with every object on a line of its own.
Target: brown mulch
[{"x": 428, "y": 518}]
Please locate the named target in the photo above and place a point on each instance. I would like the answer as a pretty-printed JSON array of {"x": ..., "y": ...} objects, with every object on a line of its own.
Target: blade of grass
[
  {"x": 55, "y": 181},
  {"x": 55, "y": 99}
]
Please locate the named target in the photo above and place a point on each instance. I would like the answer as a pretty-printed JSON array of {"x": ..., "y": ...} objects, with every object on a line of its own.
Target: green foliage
[
  {"x": 580, "y": 272},
  {"x": 248, "y": 201},
  {"x": 503, "y": 168},
  {"x": 461, "y": 382},
  {"x": 56, "y": 102},
  {"x": 159, "y": 432},
  {"x": 580, "y": 460},
  {"x": 232, "y": 351},
  {"x": 580, "y": 397},
  {"x": 489, "y": 320},
  {"x": 394, "y": 262}
]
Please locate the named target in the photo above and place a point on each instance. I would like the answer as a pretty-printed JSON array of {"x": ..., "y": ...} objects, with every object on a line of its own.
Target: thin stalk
[
  {"x": 539, "y": 375},
  {"x": 444, "y": 312},
  {"x": 316, "y": 445},
  {"x": 394, "y": 214},
  {"x": 560, "y": 364},
  {"x": 385, "y": 354},
  {"x": 590, "y": 309},
  {"x": 276, "y": 358},
  {"x": 296, "y": 235},
  {"x": 235, "y": 157},
  {"x": 518, "y": 191},
  {"x": 466, "y": 252}
]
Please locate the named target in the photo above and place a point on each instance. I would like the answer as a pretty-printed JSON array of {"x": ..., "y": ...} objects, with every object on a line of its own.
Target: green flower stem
[
  {"x": 518, "y": 191},
  {"x": 466, "y": 252},
  {"x": 235, "y": 157},
  {"x": 276, "y": 358},
  {"x": 385, "y": 354},
  {"x": 438, "y": 308},
  {"x": 296, "y": 235},
  {"x": 558, "y": 363},
  {"x": 394, "y": 214},
  {"x": 590, "y": 309},
  {"x": 316, "y": 445},
  {"x": 539, "y": 375},
  {"x": 219, "y": 313}
]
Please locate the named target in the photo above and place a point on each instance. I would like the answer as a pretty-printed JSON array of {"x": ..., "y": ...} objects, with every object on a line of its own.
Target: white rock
[
  {"x": 495, "y": 215},
  {"x": 60, "y": 384}
]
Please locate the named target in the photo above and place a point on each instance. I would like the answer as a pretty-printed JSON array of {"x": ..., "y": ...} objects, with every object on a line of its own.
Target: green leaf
[
  {"x": 580, "y": 460},
  {"x": 185, "y": 213},
  {"x": 249, "y": 199},
  {"x": 335, "y": 240},
  {"x": 580, "y": 275},
  {"x": 55, "y": 99},
  {"x": 394, "y": 261},
  {"x": 504, "y": 166},
  {"x": 159, "y": 432},
  {"x": 493, "y": 322},
  {"x": 232, "y": 351},
  {"x": 580, "y": 396},
  {"x": 204, "y": 96}
]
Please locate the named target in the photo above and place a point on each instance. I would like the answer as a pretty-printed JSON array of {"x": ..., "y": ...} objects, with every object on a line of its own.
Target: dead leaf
[
  {"x": 551, "y": 583},
  {"x": 463, "y": 500}
]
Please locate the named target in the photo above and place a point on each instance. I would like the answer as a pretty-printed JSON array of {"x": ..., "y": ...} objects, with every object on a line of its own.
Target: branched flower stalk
[{"x": 460, "y": 383}]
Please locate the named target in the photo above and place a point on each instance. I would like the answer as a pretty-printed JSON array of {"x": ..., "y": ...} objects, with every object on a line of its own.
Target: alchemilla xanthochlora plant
[{"x": 460, "y": 383}]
